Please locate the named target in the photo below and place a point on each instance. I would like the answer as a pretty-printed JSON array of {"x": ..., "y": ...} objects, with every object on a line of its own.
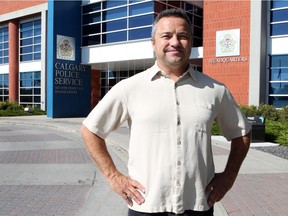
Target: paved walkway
[{"x": 46, "y": 170}]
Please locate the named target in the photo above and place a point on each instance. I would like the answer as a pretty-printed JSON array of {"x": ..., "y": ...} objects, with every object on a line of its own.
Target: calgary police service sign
[{"x": 67, "y": 79}]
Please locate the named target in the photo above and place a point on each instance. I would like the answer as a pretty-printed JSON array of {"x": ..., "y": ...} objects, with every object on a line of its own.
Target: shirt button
[
  {"x": 179, "y": 163},
  {"x": 178, "y": 122},
  {"x": 177, "y": 102},
  {"x": 179, "y": 142},
  {"x": 178, "y": 184}
]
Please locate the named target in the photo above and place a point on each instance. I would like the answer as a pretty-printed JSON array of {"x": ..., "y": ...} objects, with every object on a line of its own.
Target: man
[{"x": 170, "y": 109}]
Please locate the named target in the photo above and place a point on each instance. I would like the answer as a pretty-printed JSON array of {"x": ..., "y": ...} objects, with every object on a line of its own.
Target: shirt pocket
[{"x": 205, "y": 116}]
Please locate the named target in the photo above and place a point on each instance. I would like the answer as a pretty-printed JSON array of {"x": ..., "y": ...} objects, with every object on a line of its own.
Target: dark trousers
[{"x": 186, "y": 213}]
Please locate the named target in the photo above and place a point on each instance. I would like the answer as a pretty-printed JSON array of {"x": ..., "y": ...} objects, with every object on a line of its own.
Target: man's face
[{"x": 172, "y": 42}]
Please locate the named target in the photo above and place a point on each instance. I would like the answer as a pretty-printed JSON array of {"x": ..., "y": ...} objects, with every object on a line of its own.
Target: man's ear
[{"x": 153, "y": 43}]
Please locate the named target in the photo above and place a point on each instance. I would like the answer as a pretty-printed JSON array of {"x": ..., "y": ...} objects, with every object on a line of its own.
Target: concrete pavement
[{"x": 46, "y": 170}]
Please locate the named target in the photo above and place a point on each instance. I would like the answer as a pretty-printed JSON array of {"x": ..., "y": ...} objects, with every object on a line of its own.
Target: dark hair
[{"x": 175, "y": 12}]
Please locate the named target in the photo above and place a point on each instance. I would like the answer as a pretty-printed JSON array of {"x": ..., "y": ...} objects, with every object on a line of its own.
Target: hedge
[{"x": 276, "y": 122}]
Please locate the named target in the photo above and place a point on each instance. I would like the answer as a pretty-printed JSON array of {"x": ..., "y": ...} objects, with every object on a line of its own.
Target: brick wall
[
  {"x": 225, "y": 15},
  {"x": 95, "y": 88},
  {"x": 7, "y": 6}
]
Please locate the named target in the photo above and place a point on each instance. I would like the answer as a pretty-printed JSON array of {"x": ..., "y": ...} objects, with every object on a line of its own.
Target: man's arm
[
  {"x": 222, "y": 182},
  {"x": 121, "y": 184}
]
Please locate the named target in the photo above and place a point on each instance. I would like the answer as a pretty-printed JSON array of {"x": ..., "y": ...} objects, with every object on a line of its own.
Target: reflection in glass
[
  {"x": 141, "y": 21},
  {"x": 278, "y": 101},
  {"x": 115, "y": 13},
  {"x": 114, "y": 37},
  {"x": 279, "y": 88},
  {"x": 280, "y": 74},
  {"x": 142, "y": 8},
  {"x": 114, "y": 25}
]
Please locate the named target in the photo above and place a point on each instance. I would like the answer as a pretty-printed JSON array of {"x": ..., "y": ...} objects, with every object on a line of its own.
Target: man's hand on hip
[
  {"x": 218, "y": 187},
  {"x": 127, "y": 188}
]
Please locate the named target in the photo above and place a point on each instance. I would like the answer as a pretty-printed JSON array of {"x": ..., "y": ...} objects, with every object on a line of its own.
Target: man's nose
[{"x": 174, "y": 41}]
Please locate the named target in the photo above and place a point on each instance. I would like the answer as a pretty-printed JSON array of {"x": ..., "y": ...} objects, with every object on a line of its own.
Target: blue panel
[
  {"x": 140, "y": 33},
  {"x": 68, "y": 82},
  {"x": 279, "y": 15},
  {"x": 114, "y": 25},
  {"x": 279, "y": 61},
  {"x": 279, "y": 29},
  {"x": 141, "y": 21},
  {"x": 280, "y": 74},
  {"x": 279, "y": 4},
  {"x": 115, "y": 13},
  {"x": 113, "y": 3},
  {"x": 114, "y": 37},
  {"x": 146, "y": 7}
]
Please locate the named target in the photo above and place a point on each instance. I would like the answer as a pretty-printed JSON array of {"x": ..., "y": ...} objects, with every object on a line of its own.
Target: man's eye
[
  {"x": 184, "y": 37},
  {"x": 165, "y": 36}
]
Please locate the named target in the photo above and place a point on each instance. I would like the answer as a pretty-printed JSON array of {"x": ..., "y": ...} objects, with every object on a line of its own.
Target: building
[{"x": 63, "y": 56}]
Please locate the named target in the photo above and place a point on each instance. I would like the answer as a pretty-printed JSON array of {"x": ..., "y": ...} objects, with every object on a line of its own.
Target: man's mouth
[{"x": 174, "y": 50}]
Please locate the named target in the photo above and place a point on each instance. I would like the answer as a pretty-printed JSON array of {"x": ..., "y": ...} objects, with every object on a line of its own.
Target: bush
[
  {"x": 276, "y": 122},
  {"x": 6, "y": 105},
  {"x": 14, "y": 109}
]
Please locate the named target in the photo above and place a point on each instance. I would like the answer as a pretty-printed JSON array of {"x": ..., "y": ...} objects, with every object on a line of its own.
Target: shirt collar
[{"x": 155, "y": 70}]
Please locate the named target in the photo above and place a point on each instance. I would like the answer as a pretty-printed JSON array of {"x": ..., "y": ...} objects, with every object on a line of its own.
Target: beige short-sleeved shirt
[{"x": 170, "y": 138}]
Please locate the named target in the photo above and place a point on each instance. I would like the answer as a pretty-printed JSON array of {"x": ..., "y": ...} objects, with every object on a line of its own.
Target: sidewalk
[{"x": 46, "y": 170}]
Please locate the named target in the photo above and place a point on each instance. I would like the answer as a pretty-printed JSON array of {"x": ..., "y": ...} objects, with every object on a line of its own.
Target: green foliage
[
  {"x": 276, "y": 122},
  {"x": 268, "y": 111},
  {"x": 14, "y": 109},
  {"x": 215, "y": 129}
]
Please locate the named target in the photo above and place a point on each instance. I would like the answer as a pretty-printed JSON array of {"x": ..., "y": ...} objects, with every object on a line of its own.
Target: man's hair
[{"x": 175, "y": 12}]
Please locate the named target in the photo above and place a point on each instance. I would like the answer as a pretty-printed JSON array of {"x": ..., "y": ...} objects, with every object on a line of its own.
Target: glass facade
[
  {"x": 121, "y": 21},
  {"x": 30, "y": 89},
  {"x": 113, "y": 21},
  {"x": 30, "y": 40},
  {"x": 4, "y": 87},
  {"x": 113, "y": 76},
  {"x": 4, "y": 45},
  {"x": 279, "y": 18},
  {"x": 278, "y": 86}
]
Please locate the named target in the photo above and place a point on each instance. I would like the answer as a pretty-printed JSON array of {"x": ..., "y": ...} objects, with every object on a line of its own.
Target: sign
[
  {"x": 65, "y": 48},
  {"x": 228, "y": 43},
  {"x": 228, "y": 59},
  {"x": 68, "y": 81}
]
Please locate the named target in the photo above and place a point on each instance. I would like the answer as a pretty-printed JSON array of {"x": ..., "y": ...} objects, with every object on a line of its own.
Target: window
[
  {"x": 4, "y": 87},
  {"x": 142, "y": 8},
  {"x": 30, "y": 89},
  {"x": 114, "y": 25},
  {"x": 140, "y": 33},
  {"x": 278, "y": 85},
  {"x": 114, "y": 37},
  {"x": 109, "y": 78},
  {"x": 144, "y": 20},
  {"x": 279, "y": 4},
  {"x": 4, "y": 46},
  {"x": 116, "y": 21},
  {"x": 103, "y": 21},
  {"x": 30, "y": 40},
  {"x": 279, "y": 29},
  {"x": 279, "y": 18}
]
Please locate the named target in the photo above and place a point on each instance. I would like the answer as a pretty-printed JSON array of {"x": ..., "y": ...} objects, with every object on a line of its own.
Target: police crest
[
  {"x": 228, "y": 43},
  {"x": 65, "y": 48}
]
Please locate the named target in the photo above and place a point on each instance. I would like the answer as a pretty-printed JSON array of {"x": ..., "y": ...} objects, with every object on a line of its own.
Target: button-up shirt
[{"x": 170, "y": 122}]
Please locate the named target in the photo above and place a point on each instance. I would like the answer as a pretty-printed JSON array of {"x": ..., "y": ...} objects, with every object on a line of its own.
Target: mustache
[{"x": 179, "y": 49}]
